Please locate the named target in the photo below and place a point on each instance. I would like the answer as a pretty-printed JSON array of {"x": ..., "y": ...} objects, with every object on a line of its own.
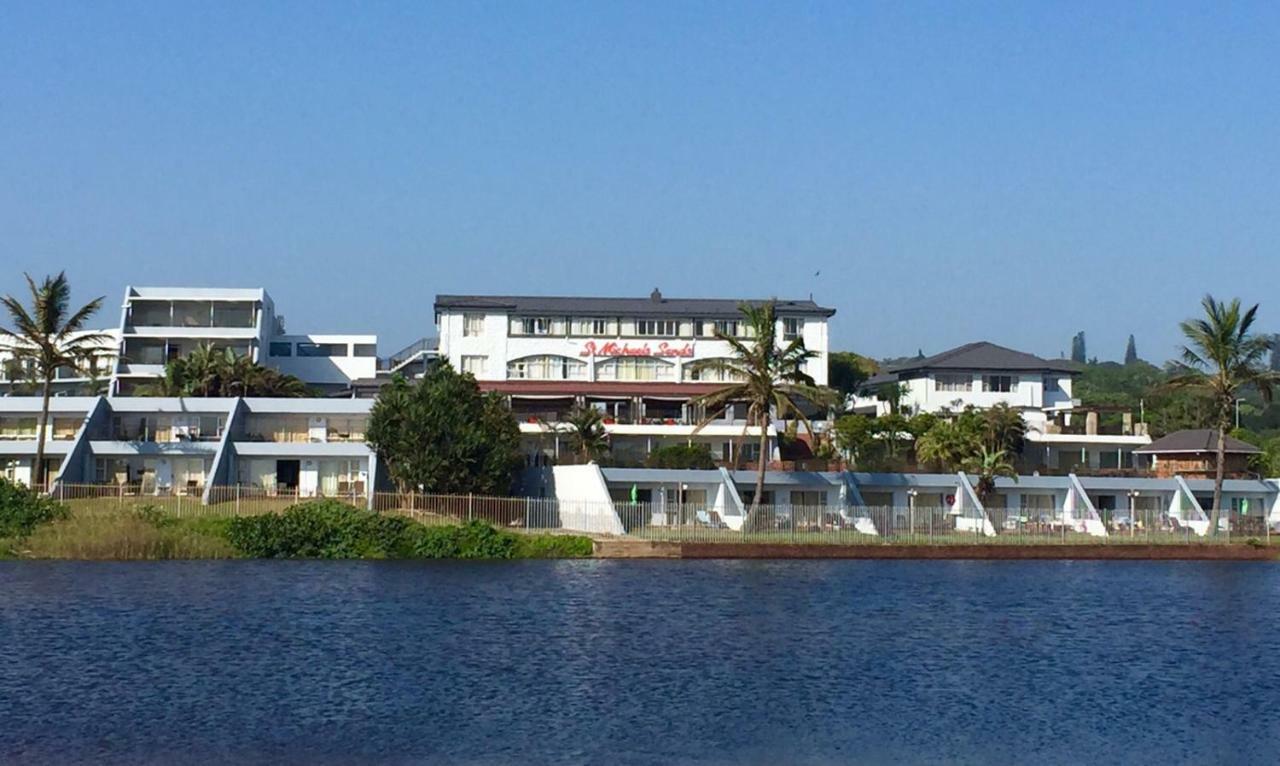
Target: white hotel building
[{"x": 641, "y": 361}]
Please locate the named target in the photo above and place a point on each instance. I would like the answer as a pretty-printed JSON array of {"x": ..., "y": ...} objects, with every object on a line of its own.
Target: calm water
[{"x": 640, "y": 662}]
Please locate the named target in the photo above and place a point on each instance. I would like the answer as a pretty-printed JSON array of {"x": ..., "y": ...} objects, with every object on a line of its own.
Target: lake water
[{"x": 636, "y": 662}]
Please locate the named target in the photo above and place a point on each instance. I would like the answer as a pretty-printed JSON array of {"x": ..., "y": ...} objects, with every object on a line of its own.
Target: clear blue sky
[{"x": 1006, "y": 171}]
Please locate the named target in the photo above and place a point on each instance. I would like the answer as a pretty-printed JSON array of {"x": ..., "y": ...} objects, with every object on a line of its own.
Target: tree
[
  {"x": 847, "y": 371},
  {"x": 989, "y": 465},
  {"x": 771, "y": 381},
  {"x": 48, "y": 338},
  {"x": 589, "y": 440},
  {"x": 209, "y": 371},
  {"x": 1078, "y": 351},
  {"x": 1221, "y": 359},
  {"x": 1003, "y": 429},
  {"x": 1131, "y": 351},
  {"x": 1275, "y": 353},
  {"x": 948, "y": 443},
  {"x": 440, "y": 434}
]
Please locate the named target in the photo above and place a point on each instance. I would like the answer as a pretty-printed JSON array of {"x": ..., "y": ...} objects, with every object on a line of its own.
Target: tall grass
[{"x": 124, "y": 537}]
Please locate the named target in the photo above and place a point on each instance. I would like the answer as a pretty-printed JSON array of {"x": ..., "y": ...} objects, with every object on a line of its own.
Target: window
[
  {"x": 474, "y": 364},
  {"x": 713, "y": 370},
  {"x": 659, "y": 327},
  {"x": 472, "y": 325},
  {"x": 281, "y": 348},
  {"x": 546, "y": 367},
  {"x": 535, "y": 326},
  {"x": 1001, "y": 384},
  {"x": 1051, "y": 385},
  {"x": 953, "y": 383},
  {"x": 322, "y": 349},
  {"x": 635, "y": 368},
  {"x": 366, "y": 349},
  {"x": 792, "y": 328},
  {"x": 597, "y": 327},
  {"x": 730, "y": 327}
]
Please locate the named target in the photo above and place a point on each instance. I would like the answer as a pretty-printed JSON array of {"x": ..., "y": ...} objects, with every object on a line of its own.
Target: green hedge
[
  {"x": 328, "y": 529},
  {"x": 22, "y": 510}
]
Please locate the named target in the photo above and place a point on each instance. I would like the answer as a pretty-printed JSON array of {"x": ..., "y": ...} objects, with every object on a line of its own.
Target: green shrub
[
  {"x": 154, "y": 515},
  {"x": 553, "y": 547},
  {"x": 473, "y": 540},
  {"x": 325, "y": 529},
  {"x": 22, "y": 510}
]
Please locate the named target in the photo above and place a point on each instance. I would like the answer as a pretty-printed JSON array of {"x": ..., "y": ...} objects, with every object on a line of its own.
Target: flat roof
[
  {"x": 60, "y": 405},
  {"x": 659, "y": 306},
  {"x": 196, "y": 293},
  {"x": 307, "y": 406},
  {"x": 170, "y": 404}
]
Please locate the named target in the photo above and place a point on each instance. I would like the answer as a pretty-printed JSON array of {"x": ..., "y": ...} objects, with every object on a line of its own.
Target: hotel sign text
[{"x": 613, "y": 348}]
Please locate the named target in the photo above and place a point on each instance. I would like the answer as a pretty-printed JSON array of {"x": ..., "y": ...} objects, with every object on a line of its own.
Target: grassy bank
[{"x": 324, "y": 529}]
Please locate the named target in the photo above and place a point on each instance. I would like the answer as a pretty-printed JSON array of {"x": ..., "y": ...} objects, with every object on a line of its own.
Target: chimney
[{"x": 656, "y": 295}]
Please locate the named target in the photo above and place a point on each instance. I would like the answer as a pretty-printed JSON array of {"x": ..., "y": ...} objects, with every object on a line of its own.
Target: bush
[
  {"x": 326, "y": 529},
  {"x": 473, "y": 540},
  {"x": 154, "y": 515},
  {"x": 22, "y": 510},
  {"x": 681, "y": 456},
  {"x": 553, "y": 547}
]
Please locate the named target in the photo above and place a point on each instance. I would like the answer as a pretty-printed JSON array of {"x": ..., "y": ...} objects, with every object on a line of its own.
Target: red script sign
[{"x": 613, "y": 348}]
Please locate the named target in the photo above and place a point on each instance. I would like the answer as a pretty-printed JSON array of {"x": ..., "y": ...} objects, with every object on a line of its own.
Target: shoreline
[{"x": 644, "y": 549}]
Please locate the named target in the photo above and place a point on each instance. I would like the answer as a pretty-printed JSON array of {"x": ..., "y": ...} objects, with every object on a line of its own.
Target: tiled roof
[
  {"x": 1196, "y": 440},
  {"x": 984, "y": 355}
]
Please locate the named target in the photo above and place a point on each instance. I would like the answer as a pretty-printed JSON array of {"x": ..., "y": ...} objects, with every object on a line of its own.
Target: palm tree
[
  {"x": 987, "y": 466},
  {"x": 1221, "y": 359},
  {"x": 589, "y": 439},
  {"x": 1003, "y": 428},
  {"x": 48, "y": 338},
  {"x": 947, "y": 444},
  {"x": 770, "y": 380}
]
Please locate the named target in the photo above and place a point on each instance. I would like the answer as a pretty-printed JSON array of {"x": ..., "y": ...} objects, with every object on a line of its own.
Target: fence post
[
  {"x": 470, "y": 508},
  {"x": 237, "y": 499}
]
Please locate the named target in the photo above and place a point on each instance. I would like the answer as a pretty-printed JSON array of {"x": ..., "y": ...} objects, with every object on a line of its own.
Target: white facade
[
  {"x": 158, "y": 324},
  {"x": 665, "y": 342},
  {"x": 1035, "y": 394}
]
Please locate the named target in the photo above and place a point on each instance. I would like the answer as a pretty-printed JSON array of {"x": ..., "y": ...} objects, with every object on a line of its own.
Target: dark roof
[
  {"x": 985, "y": 356},
  {"x": 1196, "y": 440},
  {"x": 654, "y": 305}
]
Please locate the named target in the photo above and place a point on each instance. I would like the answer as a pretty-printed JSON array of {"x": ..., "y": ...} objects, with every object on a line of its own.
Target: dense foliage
[
  {"x": 846, "y": 371},
  {"x": 681, "y": 456},
  {"x": 23, "y": 509},
  {"x": 209, "y": 371},
  {"x": 328, "y": 529},
  {"x": 441, "y": 434}
]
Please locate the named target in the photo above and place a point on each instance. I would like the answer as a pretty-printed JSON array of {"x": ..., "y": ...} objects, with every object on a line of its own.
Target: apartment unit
[
  {"x": 193, "y": 446},
  {"x": 642, "y": 362},
  {"x": 160, "y": 324}
]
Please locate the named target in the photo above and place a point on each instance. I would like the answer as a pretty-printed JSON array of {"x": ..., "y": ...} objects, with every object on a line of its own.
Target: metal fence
[{"x": 689, "y": 522}]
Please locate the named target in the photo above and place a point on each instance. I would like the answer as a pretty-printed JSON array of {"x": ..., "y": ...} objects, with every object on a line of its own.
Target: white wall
[{"x": 499, "y": 347}]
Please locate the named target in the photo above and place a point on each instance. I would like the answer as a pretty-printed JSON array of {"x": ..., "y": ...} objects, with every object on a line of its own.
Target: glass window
[
  {"x": 1051, "y": 385},
  {"x": 535, "y": 326},
  {"x": 1002, "y": 384},
  {"x": 281, "y": 348},
  {"x": 635, "y": 368},
  {"x": 472, "y": 325},
  {"x": 792, "y": 328},
  {"x": 474, "y": 364},
  {"x": 322, "y": 349},
  {"x": 729, "y": 327},
  {"x": 366, "y": 349},
  {"x": 953, "y": 383},
  {"x": 546, "y": 367},
  {"x": 657, "y": 327}
]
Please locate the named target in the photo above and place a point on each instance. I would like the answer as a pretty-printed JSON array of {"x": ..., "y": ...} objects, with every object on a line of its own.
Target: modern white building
[
  {"x": 642, "y": 361},
  {"x": 159, "y": 324},
  {"x": 982, "y": 375}
]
